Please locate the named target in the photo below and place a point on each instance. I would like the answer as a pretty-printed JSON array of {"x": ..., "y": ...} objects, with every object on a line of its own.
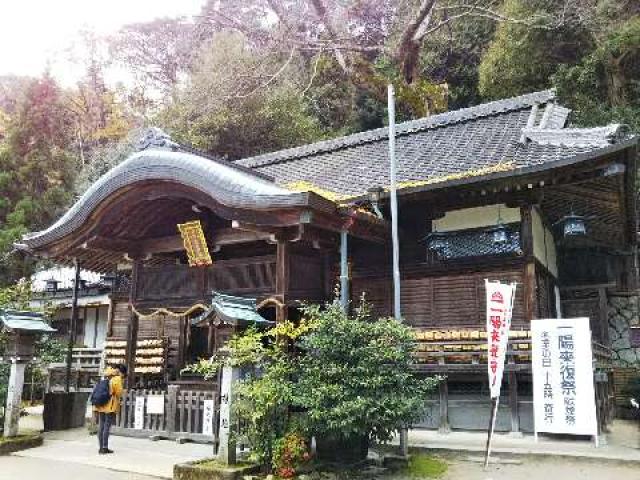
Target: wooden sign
[
  {"x": 207, "y": 417},
  {"x": 195, "y": 243},
  {"x": 155, "y": 404},
  {"x": 562, "y": 364},
  {"x": 138, "y": 414}
]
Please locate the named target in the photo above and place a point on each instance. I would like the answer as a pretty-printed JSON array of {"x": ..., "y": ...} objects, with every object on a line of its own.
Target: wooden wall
[{"x": 456, "y": 299}]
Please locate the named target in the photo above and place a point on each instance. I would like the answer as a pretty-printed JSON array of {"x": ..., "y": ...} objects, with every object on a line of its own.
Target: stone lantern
[{"x": 22, "y": 328}]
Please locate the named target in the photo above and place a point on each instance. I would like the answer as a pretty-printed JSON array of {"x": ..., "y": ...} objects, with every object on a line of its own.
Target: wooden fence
[{"x": 183, "y": 416}]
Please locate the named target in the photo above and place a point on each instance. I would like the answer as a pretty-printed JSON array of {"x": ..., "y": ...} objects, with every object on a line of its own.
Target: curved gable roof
[{"x": 227, "y": 185}]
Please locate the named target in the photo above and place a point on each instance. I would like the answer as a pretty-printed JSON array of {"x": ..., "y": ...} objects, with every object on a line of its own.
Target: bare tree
[{"x": 350, "y": 28}]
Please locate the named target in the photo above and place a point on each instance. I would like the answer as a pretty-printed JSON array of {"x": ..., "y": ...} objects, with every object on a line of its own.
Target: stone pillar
[
  {"x": 14, "y": 397},
  {"x": 226, "y": 444}
]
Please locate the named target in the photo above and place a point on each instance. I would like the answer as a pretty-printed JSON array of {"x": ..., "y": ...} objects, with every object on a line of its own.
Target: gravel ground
[{"x": 542, "y": 468}]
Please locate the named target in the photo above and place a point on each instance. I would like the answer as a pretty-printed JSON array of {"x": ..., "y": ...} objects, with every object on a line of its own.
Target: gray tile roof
[
  {"x": 233, "y": 310},
  {"x": 14, "y": 320},
  {"x": 471, "y": 142}
]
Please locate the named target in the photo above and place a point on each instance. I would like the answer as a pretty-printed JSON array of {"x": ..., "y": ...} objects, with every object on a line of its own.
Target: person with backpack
[{"x": 106, "y": 403}]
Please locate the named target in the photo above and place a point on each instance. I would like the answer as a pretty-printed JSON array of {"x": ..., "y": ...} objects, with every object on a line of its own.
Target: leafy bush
[
  {"x": 335, "y": 375},
  {"x": 290, "y": 452},
  {"x": 356, "y": 377}
]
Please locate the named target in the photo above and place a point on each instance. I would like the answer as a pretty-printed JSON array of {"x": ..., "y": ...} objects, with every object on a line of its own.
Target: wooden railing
[
  {"x": 254, "y": 275},
  {"x": 183, "y": 415}
]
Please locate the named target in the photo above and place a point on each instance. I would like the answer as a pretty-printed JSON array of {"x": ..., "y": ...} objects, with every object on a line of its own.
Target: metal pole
[
  {"x": 394, "y": 205},
  {"x": 397, "y": 313},
  {"x": 344, "y": 270},
  {"x": 72, "y": 324},
  {"x": 492, "y": 426}
]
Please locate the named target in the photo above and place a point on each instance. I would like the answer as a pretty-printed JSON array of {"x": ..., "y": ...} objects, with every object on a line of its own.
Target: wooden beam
[
  {"x": 513, "y": 402},
  {"x": 283, "y": 259},
  {"x": 132, "y": 327},
  {"x": 526, "y": 239}
]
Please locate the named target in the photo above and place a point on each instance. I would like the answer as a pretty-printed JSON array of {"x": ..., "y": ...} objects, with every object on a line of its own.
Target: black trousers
[{"x": 105, "y": 420}]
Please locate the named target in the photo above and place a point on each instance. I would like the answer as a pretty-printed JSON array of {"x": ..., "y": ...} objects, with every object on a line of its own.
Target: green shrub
[{"x": 336, "y": 375}]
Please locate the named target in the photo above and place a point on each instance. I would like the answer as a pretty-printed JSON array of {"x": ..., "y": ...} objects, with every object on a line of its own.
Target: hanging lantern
[
  {"x": 499, "y": 234},
  {"x": 574, "y": 225}
]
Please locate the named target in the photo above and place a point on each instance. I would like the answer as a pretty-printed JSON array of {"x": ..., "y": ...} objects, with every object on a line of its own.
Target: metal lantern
[
  {"x": 375, "y": 194},
  {"x": 500, "y": 234},
  {"x": 574, "y": 225}
]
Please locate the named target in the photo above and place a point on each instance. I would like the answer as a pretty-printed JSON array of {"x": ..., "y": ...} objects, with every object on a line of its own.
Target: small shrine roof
[
  {"x": 15, "y": 320},
  {"x": 233, "y": 310}
]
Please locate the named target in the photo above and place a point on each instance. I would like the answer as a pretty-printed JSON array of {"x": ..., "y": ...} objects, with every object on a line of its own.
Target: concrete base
[
  {"x": 20, "y": 442},
  {"x": 212, "y": 470}
]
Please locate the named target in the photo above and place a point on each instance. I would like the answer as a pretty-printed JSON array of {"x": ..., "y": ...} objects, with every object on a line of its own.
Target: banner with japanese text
[
  {"x": 500, "y": 298},
  {"x": 563, "y": 390}
]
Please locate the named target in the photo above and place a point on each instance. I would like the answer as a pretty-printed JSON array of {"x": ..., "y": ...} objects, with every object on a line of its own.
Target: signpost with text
[{"x": 563, "y": 390}]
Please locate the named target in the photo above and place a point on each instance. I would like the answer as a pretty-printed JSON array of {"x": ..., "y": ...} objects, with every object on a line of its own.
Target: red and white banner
[{"x": 500, "y": 297}]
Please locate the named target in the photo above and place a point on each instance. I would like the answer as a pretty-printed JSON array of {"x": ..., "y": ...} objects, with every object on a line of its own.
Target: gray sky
[{"x": 34, "y": 33}]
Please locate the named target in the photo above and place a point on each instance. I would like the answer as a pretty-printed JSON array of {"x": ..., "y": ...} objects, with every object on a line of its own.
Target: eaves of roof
[{"x": 511, "y": 173}]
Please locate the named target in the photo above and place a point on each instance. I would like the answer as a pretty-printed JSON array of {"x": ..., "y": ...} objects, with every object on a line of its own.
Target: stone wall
[{"x": 622, "y": 314}]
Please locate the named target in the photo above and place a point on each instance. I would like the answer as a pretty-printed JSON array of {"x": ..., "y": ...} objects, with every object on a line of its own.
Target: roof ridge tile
[{"x": 439, "y": 120}]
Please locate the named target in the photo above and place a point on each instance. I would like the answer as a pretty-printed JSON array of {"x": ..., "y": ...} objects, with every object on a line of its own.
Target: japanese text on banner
[{"x": 500, "y": 299}]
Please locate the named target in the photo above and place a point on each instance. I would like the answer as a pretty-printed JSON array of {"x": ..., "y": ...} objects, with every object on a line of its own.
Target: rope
[{"x": 165, "y": 311}]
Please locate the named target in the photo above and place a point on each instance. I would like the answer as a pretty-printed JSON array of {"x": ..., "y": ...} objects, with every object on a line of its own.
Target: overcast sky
[{"x": 34, "y": 33}]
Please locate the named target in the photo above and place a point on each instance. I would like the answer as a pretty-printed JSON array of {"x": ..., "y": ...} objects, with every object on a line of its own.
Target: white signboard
[
  {"x": 155, "y": 404},
  {"x": 563, "y": 391},
  {"x": 500, "y": 298},
  {"x": 138, "y": 414},
  {"x": 207, "y": 418}
]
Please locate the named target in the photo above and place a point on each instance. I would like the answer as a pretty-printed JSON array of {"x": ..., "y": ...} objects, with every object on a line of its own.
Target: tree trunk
[{"x": 616, "y": 82}]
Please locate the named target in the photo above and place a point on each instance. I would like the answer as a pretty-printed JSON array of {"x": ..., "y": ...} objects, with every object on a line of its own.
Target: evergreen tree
[{"x": 36, "y": 170}]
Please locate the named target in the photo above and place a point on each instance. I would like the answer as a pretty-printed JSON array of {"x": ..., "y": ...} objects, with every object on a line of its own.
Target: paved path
[
  {"x": 138, "y": 456},
  {"x": 22, "y": 468},
  {"x": 622, "y": 443}
]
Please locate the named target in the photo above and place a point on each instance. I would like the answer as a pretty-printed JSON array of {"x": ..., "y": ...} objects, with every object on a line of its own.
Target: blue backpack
[{"x": 101, "y": 393}]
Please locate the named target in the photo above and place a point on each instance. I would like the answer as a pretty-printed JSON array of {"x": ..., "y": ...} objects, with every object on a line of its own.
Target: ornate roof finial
[{"x": 155, "y": 137}]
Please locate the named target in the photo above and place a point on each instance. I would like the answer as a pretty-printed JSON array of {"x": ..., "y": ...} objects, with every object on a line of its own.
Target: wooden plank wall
[{"x": 454, "y": 300}]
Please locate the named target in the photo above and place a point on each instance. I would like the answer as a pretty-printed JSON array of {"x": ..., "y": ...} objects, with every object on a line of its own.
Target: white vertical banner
[
  {"x": 500, "y": 297},
  {"x": 207, "y": 417},
  {"x": 138, "y": 414},
  {"x": 562, "y": 364}
]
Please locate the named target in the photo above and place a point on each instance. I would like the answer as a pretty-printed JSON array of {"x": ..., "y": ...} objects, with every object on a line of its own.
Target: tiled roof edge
[{"x": 442, "y": 119}]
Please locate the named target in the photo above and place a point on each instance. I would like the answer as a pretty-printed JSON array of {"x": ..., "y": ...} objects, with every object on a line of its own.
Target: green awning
[
  {"x": 20, "y": 321},
  {"x": 232, "y": 310}
]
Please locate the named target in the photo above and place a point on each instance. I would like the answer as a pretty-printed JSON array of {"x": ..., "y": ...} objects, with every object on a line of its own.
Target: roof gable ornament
[{"x": 156, "y": 137}]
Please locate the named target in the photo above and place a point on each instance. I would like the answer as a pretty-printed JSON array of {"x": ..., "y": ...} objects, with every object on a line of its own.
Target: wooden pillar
[
  {"x": 444, "y": 406},
  {"x": 513, "y": 402},
  {"x": 282, "y": 278},
  {"x": 72, "y": 325},
  {"x": 529, "y": 282},
  {"x": 172, "y": 403},
  {"x": 211, "y": 341},
  {"x": 630, "y": 277},
  {"x": 132, "y": 328}
]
